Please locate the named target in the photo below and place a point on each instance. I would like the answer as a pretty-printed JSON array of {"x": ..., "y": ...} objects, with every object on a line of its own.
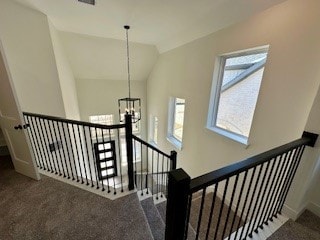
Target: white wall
[
  {"x": 66, "y": 78},
  {"x": 102, "y": 58},
  {"x": 98, "y": 97},
  {"x": 291, "y": 79},
  {"x": 26, "y": 39}
]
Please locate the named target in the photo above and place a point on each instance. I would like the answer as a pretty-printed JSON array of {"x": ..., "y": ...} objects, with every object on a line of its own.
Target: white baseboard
[
  {"x": 315, "y": 208},
  {"x": 291, "y": 213}
]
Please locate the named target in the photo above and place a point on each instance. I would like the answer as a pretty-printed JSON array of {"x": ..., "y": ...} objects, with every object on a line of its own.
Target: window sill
[
  {"x": 233, "y": 136},
  {"x": 175, "y": 142}
]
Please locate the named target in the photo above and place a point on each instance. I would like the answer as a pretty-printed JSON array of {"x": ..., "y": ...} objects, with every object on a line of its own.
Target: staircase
[
  {"x": 307, "y": 227},
  {"x": 237, "y": 202}
]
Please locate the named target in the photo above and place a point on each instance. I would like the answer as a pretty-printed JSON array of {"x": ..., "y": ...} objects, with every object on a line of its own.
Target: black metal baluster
[
  {"x": 68, "y": 152},
  {"x": 152, "y": 178},
  {"x": 68, "y": 159},
  {"x": 54, "y": 146},
  {"x": 238, "y": 203},
  {"x": 212, "y": 209},
  {"x": 83, "y": 159},
  {"x": 46, "y": 126},
  {"x": 120, "y": 147},
  {"x": 147, "y": 170},
  {"x": 51, "y": 152},
  {"x": 135, "y": 162},
  {"x": 221, "y": 208},
  {"x": 251, "y": 200},
  {"x": 94, "y": 158},
  {"x": 56, "y": 135},
  {"x": 71, "y": 155},
  {"x": 252, "y": 221},
  {"x": 200, "y": 213},
  {"x": 158, "y": 176},
  {"x": 120, "y": 155},
  {"x": 78, "y": 154},
  {"x": 263, "y": 198},
  {"x": 230, "y": 205},
  {"x": 291, "y": 178},
  {"x": 44, "y": 152},
  {"x": 141, "y": 170},
  {"x": 32, "y": 140},
  {"x": 104, "y": 153},
  {"x": 86, "y": 142},
  {"x": 270, "y": 193},
  {"x": 46, "y": 143},
  {"x": 38, "y": 145},
  {"x": 286, "y": 174},
  {"x": 162, "y": 176},
  {"x": 45, "y": 149},
  {"x": 64, "y": 154},
  {"x": 279, "y": 184}
]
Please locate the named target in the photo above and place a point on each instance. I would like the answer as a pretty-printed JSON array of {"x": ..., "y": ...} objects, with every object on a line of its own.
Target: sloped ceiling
[
  {"x": 163, "y": 23},
  {"x": 102, "y": 58}
]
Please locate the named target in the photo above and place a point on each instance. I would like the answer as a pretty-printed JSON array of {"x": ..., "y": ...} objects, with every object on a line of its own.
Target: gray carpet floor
[
  {"x": 50, "y": 209},
  {"x": 195, "y": 209},
  {"x": 307, "y": 227}
]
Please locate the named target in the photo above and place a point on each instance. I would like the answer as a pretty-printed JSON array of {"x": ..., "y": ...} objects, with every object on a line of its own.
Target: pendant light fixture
[{"x": 129, "y": 105}]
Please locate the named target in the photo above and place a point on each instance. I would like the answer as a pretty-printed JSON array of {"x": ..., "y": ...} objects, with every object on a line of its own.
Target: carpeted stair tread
[
  {"x": 162, "y": 208},
  {"x": 154, "y": 219},
  {"x": 310, "y": 220},
  {"x": 294, "y": 231}
]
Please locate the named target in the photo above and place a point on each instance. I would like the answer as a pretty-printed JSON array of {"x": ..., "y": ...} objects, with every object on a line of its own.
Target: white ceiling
[{"x": 164, "y": 23}]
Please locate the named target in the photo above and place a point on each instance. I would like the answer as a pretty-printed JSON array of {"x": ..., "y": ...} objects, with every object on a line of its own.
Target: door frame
[{"x": 21, "y": 119}]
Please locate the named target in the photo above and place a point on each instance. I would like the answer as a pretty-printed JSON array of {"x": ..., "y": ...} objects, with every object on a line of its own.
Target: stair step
[
  {"x": 155, "y": 221},
  {"x": 310, "y": 220},
  {"x": 294, "y": 231}
]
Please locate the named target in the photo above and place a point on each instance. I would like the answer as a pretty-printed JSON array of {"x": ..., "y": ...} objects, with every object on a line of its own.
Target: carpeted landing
[
  {"x": 306, "y": 227},
  {"x": 50, "y": 209}
]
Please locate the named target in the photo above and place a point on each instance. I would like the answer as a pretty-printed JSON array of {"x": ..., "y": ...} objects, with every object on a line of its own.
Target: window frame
[
  {"x": 216, "y": 86},
  {"x": 171, "y": 120}
]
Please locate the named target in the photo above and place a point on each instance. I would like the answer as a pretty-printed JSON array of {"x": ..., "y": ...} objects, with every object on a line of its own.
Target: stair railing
[
  {"x": 88, "y": 153},
  {"x": 236, "y": 200},
  {"x": 151, "y": 168}
]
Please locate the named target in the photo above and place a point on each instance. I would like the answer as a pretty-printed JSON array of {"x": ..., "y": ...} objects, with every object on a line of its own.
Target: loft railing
[
  {"x": 151, "y": 168},
  {"x": 234, "y": 201},
  {"x": 85, "y": 152},
  {"x": 106, "y": 157}
]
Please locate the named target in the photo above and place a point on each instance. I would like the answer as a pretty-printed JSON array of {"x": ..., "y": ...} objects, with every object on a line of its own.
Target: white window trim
[
  {"x": 151, "y": 130},
  {"x": 215, "y": 95},
  {"x": 171, "y": 116}
]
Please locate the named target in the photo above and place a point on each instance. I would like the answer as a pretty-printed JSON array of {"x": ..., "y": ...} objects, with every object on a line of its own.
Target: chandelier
[{"x": 129, "y": 105}]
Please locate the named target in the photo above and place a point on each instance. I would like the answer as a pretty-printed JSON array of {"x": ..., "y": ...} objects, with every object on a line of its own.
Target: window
[
  {"x": 234, "y": 93},
  {"x": 101, "y": 119},
  {"x": 154, "y": 130},
  {"x": 175, "y": 121}
]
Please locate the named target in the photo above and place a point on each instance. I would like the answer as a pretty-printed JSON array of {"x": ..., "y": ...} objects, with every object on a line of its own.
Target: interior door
[{"x": 12, "y": 124}]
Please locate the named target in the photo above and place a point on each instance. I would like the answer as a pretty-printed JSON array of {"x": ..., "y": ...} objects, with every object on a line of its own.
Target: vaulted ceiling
[{"x": 163, "y": 23}]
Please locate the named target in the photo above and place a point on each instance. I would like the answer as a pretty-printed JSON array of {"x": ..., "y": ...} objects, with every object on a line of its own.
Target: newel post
[
  {"x": 177, "y": 204},
  {"x": 173, "y": 157},
  {"x": 128, "y": 127}
]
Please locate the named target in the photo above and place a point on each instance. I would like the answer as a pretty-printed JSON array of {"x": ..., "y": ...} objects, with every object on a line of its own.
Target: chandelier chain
[{"x": 128, "y": 63}]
